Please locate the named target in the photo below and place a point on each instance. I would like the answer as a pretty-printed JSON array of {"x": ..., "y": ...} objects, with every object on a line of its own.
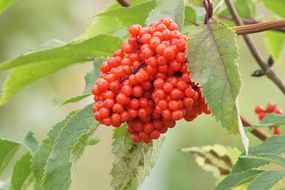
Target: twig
[
  {"x": 124, "y": 3},
  {"x": 259, "y": 133},
  {"x": 254, "y": 21},
  {"x": 254, "y": 51},
  {"x": 259, "y": 27}
]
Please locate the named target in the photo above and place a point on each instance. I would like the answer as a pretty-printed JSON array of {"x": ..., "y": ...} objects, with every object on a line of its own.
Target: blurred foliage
[{"x": 31, "y": 22}]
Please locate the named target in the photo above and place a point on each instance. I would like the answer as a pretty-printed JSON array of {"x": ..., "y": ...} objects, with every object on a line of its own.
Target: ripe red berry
[
  {"x": 270, "y": 107},
  {"x": 258, "y": 109},
  {"x": 276, "y": 131},
  {"x": 134, "y": 30},
  {"x": 168, "y": 53},
  {"x": 147, "y": 84}
]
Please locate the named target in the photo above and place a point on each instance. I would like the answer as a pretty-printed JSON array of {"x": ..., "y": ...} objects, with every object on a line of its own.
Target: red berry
[
  {"x": 134, "y": 30},
  {"x": 270, "y": 107},
  {"x": 276, "y": 131},
  {"x": 168, "y": 53}
]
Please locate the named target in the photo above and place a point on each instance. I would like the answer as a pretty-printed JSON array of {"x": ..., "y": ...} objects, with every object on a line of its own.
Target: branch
[
  {"x": 259, "y": 27},
  {"x": 254, "y": 51},
  {"x": 259, "y": 133},
  {"x": 124, "y": 3},
  {"x": 248, "y": 21}
]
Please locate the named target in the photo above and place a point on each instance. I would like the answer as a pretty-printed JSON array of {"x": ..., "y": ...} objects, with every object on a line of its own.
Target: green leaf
[
  {"x": 212, "y": 54},
  {"x": 93, "y": 142},
  {"x": 275, "y": 144},
  {"x": 247, "y": 163},
  {"x": 42, "y": 154},
  {"x": 133, "y": 162},
  {"x": 21, "y": 172},
  {"x": 39, "y": 64},
  {"x": 73, "y": 52},
  {"x": 110, "y": 25},
  {"x": 276, "y": 44},
  {"x": 190, "y": 16},
  {"x": 217, "y": 159},
  {"x": 237, "y": 179},
  {"x": 277, "y": 6},
  {"x": 68, "y": 146},
  {"x": 250, "y": 162},
  {"x": 7, "y": 150},
  {"x": 31, "y": 142},
  {"x": 102, "y": 25},
  {"x": 273, "y": 119},
  {"x": 126, "y": 14},
  {"x": 4, "y": 4},
  {"x": 60, "y": 102},
  {"x": 168, "y": 9},
  {"x": 266, "y": 180}
]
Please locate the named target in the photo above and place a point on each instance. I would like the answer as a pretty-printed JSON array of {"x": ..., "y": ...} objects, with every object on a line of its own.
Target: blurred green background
[{"x": 31, "y": 22}]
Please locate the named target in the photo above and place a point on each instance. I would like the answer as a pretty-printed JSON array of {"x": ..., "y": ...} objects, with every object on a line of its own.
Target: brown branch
[
  {"x": 259, "y": 133},
  {"x": 254, "y": 21},
  {"x": 259, "y": 27},
  {"x": 124, "y": 3},
  {"x": 254, "y": 51}
]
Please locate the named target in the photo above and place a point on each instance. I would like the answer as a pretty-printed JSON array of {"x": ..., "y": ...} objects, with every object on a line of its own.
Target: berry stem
[
  {"x": 208, "y": 5},
  {"x": 124, "y": 3},
  {"x": 259, "y": 133},
  {"x": 259, "y": 27},
  {"x": 254, "y": 51}
]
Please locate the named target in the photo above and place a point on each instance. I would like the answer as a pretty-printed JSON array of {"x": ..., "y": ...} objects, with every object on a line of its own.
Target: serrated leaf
[
  {"x": 266, "y": 180},
  {"x": 39, "y": 64},
  {"x": 237, "y": 179},
  {"x": 42, "y": 154},
  {"x": 273, "y": 119},
  {"x": 250, "y": 162},
  {"x": 217, "y": 159},
  {"x": 71, "y": 139},
  {"x": 73, "y": 52},
  {"x": 31, "y": 142},
  {"x": 21, "y": 172},
  {"x": 7, "y": 150},
  {"x": 133, "y": 162},
  {"x": 4, "y": 4},
  {"x": 91, "y": 77},
  {"x": 212, "y": 54},
  {"x": 276, "y": 44},
  {"x": 60, "y": 102},
  {"x": 275, "y": 144},
  {"x": 277, "y": 6},
  {"x": 126, "y": 14},
  {"x": 168, "y": 9}
]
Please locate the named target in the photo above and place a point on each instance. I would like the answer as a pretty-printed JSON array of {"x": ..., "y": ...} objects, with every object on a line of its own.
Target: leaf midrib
[
  {"x": 223, "y": 63},
  {"x": 133, "y": 161}
]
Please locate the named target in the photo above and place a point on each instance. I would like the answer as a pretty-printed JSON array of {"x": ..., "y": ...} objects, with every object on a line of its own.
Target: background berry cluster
[{"x": 270, "y": 109}]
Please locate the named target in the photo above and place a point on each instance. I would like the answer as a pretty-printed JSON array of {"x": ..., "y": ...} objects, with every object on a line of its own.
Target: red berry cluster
[
  {"x": 270, "y": 109},
  {"x": 146, "y": 83}
]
